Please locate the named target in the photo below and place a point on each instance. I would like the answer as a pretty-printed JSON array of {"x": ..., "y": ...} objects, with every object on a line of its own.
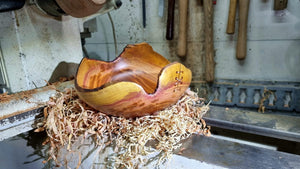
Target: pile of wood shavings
[
  {"x": 67, "y": 118},
  {"x": 4, "y": 97}
]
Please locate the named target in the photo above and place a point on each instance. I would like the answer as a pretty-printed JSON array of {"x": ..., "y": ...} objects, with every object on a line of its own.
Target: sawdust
[
  {"x": 24, "y": 95},
  {"x": 67, "y": 118},
  {"x": 5, "y": 97},
  {"x": 265, "y": 96}
]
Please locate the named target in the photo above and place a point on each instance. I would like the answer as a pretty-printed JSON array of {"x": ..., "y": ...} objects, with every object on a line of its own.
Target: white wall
[
  {"x": 33, "y": 44},
  {"x": 129, "y": 30},
  {"x": 273, "y": 40},
  {"x": 273, "y": 43}
]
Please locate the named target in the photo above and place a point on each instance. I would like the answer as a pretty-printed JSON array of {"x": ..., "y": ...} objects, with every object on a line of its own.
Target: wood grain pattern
[
  {"x": 182, "y": 36},
  {"x": 80, "y": 8},
  {"x": 209, "y": 44},
  {"x": 231, "y": 17},
  {"x": 139, "y": 82},
  {"x": 241, "y": 49}
]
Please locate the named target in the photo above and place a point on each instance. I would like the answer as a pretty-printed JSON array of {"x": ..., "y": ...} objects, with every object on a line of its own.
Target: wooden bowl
[{"x": 137, "y": 83}]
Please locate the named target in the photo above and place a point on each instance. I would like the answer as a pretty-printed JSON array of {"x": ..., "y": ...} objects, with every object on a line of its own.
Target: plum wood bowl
[{"x": 137, "y": 83}]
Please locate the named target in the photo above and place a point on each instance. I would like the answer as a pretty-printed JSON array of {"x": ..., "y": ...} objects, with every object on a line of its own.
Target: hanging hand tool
[
  {"x": 170, "y": 21},
  {"x": 182, "y": 40},
  {"x": 241, "y": 49},
  {"x": 231, "y": 17},
  {"x": 280, "y": 4},
  {"x": 209, "y": 44},
  {"x": 144, "y": 12}
]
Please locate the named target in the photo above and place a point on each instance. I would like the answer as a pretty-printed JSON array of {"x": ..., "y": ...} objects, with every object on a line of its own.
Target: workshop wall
[
  {"x": 129, "y": 29},
  {"x": 273, "y": 43},
  {"x": 273, "y": 39},
  {"x": 33, "y": 44}
]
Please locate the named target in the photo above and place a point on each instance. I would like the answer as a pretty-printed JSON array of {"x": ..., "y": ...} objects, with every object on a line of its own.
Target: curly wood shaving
[{"x": 67, "y": 118}]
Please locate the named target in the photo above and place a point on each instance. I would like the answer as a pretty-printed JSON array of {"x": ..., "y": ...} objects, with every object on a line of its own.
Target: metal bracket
[
  {"x": 4, "y": 84},
  {"x": 19, "y": 112},
  {"x": 283, "y": 96}
]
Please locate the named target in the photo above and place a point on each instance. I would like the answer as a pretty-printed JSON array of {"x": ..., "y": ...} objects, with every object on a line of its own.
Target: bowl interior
[{"x": 137, "y": 63}]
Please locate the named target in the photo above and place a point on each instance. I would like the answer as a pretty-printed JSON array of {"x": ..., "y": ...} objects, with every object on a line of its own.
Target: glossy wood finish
[
  {"x": 139, "y": 82},
  {"x": 80, "y": 8}
]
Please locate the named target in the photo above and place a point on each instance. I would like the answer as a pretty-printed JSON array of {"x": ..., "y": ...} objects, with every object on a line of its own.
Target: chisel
[
  {"x": 170, "y": 21},
  {"x": 144, "y": 12},
  {"x": 182, "y": 39},
  {"x": 231, "y": 17},
  {"x": 241, "y": 48},
  {"x": 209, "y": 44}
]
